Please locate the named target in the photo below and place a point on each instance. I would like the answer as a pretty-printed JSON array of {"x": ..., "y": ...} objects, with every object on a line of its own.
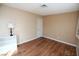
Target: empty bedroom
[{"x": 39, "y": 29}]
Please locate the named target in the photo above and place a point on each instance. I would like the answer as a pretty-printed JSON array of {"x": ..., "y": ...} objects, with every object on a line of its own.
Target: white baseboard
[
  {"x": 61, "y": 41},
  {"x": 27, "y": 40},
  {"x": 49, "y": 38}
]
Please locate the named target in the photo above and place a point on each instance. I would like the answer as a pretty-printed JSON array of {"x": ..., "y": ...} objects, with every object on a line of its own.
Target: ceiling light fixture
[{"x": 43, "y": 6}]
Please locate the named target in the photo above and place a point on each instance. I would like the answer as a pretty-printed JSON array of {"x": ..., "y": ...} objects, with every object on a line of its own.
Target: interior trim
[{"x": 60, "y": 41}]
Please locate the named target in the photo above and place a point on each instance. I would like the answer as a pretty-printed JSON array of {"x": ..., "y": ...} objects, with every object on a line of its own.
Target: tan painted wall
[
  {"x": 25, "y": 23},
  {"x": 62, "y": 27}
]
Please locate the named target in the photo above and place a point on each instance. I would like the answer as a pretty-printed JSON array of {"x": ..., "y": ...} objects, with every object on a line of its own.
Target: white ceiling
[{"x": 53, "y": 8}]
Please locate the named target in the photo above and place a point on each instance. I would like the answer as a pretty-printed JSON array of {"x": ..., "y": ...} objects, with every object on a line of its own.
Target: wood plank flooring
[{"x": 45, "y": 47}]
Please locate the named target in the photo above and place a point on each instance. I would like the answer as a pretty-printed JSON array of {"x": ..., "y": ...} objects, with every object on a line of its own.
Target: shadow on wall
[{"x": 18, "y": 39}]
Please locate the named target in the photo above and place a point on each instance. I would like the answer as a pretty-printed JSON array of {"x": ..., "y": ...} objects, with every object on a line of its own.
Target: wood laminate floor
[{"x": 45, "y": 47}]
